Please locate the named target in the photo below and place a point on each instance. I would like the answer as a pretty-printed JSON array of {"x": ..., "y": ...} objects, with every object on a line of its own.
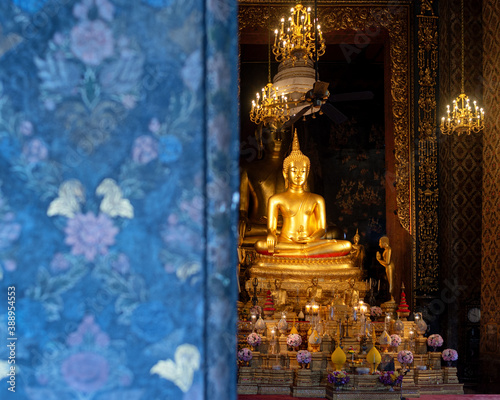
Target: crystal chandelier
[
  {"x": 298, "y": 39},
  {"x": 461, "y": 117},
  {"x": 269, "y": 106}
]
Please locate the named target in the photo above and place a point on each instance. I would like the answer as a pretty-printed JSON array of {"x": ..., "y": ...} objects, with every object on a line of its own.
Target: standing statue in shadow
[{"x": 386, "y": 261}]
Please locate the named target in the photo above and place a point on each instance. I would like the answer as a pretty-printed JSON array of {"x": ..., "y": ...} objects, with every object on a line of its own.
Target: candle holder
[
  {"x": 256, "y": 292},
  {"x": 347, "y": 327}
]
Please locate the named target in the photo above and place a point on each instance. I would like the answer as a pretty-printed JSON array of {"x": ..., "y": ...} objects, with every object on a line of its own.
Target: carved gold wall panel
[
  {"x": 427, "y": 268},
  {"x": 363, "y": 16}
]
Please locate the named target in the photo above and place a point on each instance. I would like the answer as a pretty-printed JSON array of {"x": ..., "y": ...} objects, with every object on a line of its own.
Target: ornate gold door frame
[
  {"x": 364, "y": 17},
  {"x": 416, "y": 226}
]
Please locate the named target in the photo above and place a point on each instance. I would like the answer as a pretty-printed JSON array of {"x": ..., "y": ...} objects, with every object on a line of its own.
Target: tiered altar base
[
  {"x": 308, "y": 383},
  {"x": 281, "y": 374}
]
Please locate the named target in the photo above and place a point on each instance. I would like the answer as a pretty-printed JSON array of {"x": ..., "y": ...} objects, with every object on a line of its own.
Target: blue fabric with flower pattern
[{"x": 116, "y": 199}]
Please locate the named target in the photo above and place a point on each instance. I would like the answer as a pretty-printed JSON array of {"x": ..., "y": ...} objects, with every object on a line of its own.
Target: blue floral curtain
[{"x": 118, "y": 177}]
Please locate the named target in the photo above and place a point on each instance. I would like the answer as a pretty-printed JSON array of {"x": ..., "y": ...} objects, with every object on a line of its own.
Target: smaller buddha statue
[
  {"x": 386, "y": 261},
  {"x": 351, "y": 296},
  {"x": 279, "y": 296},
  {"x": 338, "y": 300},
  {"x": 304, "y": 216},
  {"x": 358, "y": 251},
  {"x": 315, "y": 291}
]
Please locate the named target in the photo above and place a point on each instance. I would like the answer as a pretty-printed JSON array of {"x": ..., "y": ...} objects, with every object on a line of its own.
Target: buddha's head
[
  {"x": 269, "y": 138},
  {"x": 384, "y": 241},
  {"x": 296, "y": 166},
  {"x": 356, "y": 237}
]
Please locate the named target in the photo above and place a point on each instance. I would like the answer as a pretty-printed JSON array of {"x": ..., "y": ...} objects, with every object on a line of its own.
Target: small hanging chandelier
[
  {"x": 270, "y": 105},
  {"x": 298, "y": 39},
  {"x": 462, "y": 118}
]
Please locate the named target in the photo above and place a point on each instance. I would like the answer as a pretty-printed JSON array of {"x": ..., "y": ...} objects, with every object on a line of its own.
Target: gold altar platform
[{"x": 302, "y": 268}]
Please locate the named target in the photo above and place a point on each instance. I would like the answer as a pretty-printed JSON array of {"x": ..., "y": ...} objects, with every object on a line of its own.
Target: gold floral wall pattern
[{"x": 490, "y": 275}]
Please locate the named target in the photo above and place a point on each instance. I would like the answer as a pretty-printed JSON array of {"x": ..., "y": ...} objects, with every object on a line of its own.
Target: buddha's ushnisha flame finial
[
  {"x": 295, "y": 155},
  {"x": 357, "y": 235},
  {"x": 295, "y": 145}
]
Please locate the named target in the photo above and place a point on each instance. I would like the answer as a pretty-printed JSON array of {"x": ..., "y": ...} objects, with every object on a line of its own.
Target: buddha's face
[
  {"x": 270, "y": 139},
  {"x": 297, "y": 172}
]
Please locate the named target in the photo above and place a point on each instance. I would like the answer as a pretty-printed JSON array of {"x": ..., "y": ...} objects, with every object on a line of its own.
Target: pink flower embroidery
[
  {"x": 9, "y": 230},
  {"x": 88, "y": 331},
  {"x": 35, "y": 151},
  {"x": 59, "y": 263},
  {"x": 145, "y": 149},
  {"x": 90, "y": 235},
  {"x": 26, "y": 128},
  {"x": 85, "y": 371},
  {"x": 92, "y": 42},
  {"x": 154, "y": 125}
]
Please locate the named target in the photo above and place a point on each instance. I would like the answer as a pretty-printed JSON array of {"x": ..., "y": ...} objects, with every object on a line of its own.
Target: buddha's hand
[
  {"x": 302, "y": 236},
  {"x": 271, "y": 242}
]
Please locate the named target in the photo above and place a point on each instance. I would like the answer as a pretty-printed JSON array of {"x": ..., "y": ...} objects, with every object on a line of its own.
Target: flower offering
[
  {"x": 395, "y": 340},
  {"x": 435, "y": 341},
  {"x": 375, "y": 311},
  {"x": 245, "y": 354},
  {"x": 391, "y": 378},
  {"x": 294, "y": 340},
  {"x": 254, "y": 339},
  {"x": 338, "y": 378},
  {"x": 304, "y": 357},
  {"x": 449, "y": 355},
  {"x": 405, "y": 357},
  {"x": 255, "y": 310}
]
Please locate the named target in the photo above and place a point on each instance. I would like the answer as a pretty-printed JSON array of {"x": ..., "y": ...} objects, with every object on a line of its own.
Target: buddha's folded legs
[{"x": 325, "y": 248}]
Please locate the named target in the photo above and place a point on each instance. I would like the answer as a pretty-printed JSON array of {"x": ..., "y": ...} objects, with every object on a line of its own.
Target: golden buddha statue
[
  {"x": 351, "y": 296},
  {"x": 385, "y": 260},
  {"x": 315, "y": 291},
  {"x": 279, "y": 296},
  {"x": 261, "y": 177},
  {"x": 303, "y": 213},
  {"x": 358, "y": 251}
]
